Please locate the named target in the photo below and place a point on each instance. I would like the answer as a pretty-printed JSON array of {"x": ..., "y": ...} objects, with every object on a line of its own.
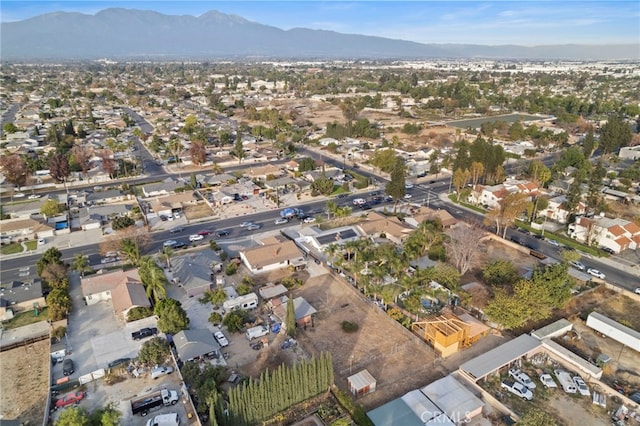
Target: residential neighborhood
[{"x": 407, "y": 242}]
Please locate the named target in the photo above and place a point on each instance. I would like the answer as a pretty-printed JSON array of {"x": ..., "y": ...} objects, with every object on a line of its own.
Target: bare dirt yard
[
  {"x": 24, "y": 382},
  {"x": 397, "y": 359}
]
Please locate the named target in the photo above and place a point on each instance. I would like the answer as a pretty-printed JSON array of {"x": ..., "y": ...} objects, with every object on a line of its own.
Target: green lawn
[
  {"x": 12, "y": 248},
  {"x": 26, "y": 318},
  {"x": 31, "y": 245}
]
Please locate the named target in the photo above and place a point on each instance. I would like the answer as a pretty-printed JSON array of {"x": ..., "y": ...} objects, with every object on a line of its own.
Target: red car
[
  {"x": 70, "y": 399},
  {"x": 204, "y": 232}
]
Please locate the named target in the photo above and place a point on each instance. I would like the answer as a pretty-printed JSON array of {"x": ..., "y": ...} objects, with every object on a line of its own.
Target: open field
[
  {"x": 398, "y": 360},
  {"x": 24, "y": 382}
]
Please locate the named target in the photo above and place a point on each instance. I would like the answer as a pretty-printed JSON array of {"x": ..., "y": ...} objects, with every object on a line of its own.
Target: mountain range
[{"x": 140, "y": 34}]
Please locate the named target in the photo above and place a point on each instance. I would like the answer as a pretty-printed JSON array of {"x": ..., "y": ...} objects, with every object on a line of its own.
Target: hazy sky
[{"x": 491, "y": 22}]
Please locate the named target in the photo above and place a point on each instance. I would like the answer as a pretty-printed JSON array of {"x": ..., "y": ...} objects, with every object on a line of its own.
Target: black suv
[
  {"x": 67, "y": 367},
  {"x": 223, "y": 233}
]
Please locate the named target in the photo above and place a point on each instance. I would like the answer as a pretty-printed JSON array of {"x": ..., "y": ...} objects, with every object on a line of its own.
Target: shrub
[
  {"x": 215, "y": 318},
  {"x": 231, "y": 269},
  {"x": 243, "y": 288},
  {"x": 349, "y": 327},
  {"x": 139, "y": 312}
]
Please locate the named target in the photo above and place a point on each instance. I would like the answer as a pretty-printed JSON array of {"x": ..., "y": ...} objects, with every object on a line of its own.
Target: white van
[{"x": 171, "y": 419}]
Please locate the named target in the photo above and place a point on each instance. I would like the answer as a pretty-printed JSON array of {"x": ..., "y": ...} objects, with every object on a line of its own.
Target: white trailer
[
  {"x": 566, "y": 381},
  {"x": 247, "y": 301},
  {"x": 613, "y": 329}
]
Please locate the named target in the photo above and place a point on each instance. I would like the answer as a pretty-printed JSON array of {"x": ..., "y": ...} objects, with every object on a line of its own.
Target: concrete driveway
[{"x": 95, "y": 336}]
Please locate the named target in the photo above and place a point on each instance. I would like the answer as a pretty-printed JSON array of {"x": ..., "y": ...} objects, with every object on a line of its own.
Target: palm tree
[
  {"x": 153, "y": 278},
  {"x": 81, "y": 264},
  {"x": 167, "y": 252}
]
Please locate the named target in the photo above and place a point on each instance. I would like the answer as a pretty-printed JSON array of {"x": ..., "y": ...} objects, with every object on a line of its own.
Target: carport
[{"x": 489, "y": 362}]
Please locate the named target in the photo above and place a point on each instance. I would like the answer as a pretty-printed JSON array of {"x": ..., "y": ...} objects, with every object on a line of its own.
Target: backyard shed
[{"x": 361, "y": 383}]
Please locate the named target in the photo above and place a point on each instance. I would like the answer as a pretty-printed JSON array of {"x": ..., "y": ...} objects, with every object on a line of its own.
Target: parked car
[
  {"x": 67, "y": 367},
  {"x": 581, "y": 385},
  {"x": 196, "y": 237},
  {"x": 119, "y": 361},
  {"x": 547, "y": 381},
  {"x": 522, "y": 377},
  {"x": 70, "y": 399},
  {"x": 553, "y": 242},
  {"x": 407, "y": 196},
  {"x": 637, "y": 290},
  {"x": 608, "y": 250},
  {"x": 34, "y": 196},
  {"x": 309, "y": 219},
  {"x": 281, "y": 221},
  {"x": 161, "y": 371},
  {"x": 169, "y": 243},
  {"x": 246, "y": 224},
  {"x": 19, "y": 195},
  {"x": 204, "y": 232},
  {"x": 223, "y": 233},
  {"x": 176, "y": 230},
  {"x": 144, "y": 332},
  {"x": 577, "y": 265},
  {"x": 408, "y": 185},
  {"x": 517, "y": 389},
  {"x": 222, "y": 340},
  {"x": 596, "y": 273},
  {"x": 179, "y": 245}
]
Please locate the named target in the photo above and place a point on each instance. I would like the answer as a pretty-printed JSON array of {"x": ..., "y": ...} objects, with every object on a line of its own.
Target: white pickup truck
[
  {"x": 518, "y": 389},
  {"x": 522, "y": 377}
]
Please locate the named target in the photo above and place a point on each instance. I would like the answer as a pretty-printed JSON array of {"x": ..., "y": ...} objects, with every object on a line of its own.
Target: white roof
[
  {"x": 422, "y": 407},
  {"x": 496, "y": 358},
  {"x": 361, "y": 380},
  {"x": 452, "y": 397}
]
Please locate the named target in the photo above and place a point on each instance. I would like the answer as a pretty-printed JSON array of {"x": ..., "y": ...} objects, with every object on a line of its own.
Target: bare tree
[
  {"x": 59, "y": 168},
  {"x": 463, "y": 245},
  {"x": 15, "y": 169},
  {"x": 107, "y": 161},
  {"x": 83, "y": 154},
  {"x": 198, "y": 153}
]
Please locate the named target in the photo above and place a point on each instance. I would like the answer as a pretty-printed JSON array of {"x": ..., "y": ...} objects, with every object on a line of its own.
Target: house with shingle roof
[
  {"x": 378, "y": 225},
  {"x": 194, "y": 344},
  {"x": 272, "y": 255},
  {"x": 123, "y": 288},
  {"x": 613, "y": 233}
]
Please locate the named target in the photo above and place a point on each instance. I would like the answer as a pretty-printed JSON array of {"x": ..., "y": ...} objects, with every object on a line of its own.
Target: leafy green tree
[
  {"x": 73, "y": 416},
  {"x": 243, "y": 289},
  {"x": 460, "y": 179},
  {"x": 396, "y": 186},
  {"x": 215, "y": 318},
  {"x": 153, "y": 278},
  {"x": 154, "y": 351},
  {"x": 172, "y": 316},
  {"x": 59, "y": 304},
  {"x": 499, "y": 273},
  {"x": 216, "y": 297},
  {"x": 615, "y": 134},
  {"x": 51, "y": 256},
  {"x": 121, "y": 222},
  {"x": 55, "y": 276},
  {"x": 291, "y": 318},
  {"x": 306, "y": 164},
  {"x": 570, "y": 255},
  {"x": 231, "y": 269},
  {"x": 445, "y": 275},
  {"x": 384, "y": 159},
  {"x": 238, "y": 150},
  {"x": 234, "y": 320},
  {"x": 10, "y": 128},
  {"x": 51, "y": 208},
  {"x": 589, "y": 144},
  {"x": 139, "y": 312},
  {"x": 107, "y": 416},
  {"x": 81, "y": 264}
]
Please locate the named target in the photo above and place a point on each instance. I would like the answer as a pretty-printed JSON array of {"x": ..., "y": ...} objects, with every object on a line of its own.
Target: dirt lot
[
  {"x": 25, "y": 373},
  {"x": 397, "y": 359}
]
